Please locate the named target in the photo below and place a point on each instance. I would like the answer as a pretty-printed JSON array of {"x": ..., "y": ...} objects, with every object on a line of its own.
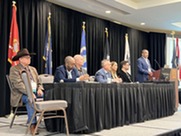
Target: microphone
[{"x": 157, "y": 63}]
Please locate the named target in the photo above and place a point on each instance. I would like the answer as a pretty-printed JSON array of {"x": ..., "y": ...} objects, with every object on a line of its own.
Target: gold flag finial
[
  {"x": 83, "y": 25},
  {"x": 106, "y": 31},
  {"x": 172, "y": 33},
  {"x": 126, "y": 35},
  {"x": 14, "y": 2},
  {"x": 49, "y": 15}
]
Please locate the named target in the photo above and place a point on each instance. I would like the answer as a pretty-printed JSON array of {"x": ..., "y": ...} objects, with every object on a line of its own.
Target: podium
[{"x": 167, "y": 74}]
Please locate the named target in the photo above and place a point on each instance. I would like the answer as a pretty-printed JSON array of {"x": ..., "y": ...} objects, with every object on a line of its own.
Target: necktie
[{"x": 128, "y": 77}]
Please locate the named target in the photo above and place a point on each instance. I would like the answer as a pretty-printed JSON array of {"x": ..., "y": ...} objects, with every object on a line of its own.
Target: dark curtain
[
  {"x": 157, "y": 42},
  {"x": 138, "y": 40},
  {"x": 66, "y": 29}
]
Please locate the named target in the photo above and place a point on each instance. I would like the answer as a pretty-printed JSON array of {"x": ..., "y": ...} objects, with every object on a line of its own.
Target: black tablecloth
[{"x": 93, "y": 106}]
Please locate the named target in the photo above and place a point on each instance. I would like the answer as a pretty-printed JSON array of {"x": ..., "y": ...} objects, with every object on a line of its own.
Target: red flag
[
  {"x": 178, "y": 56},
  {"x": 14, "y": 46},
  {"x": 177, "y": 50}
]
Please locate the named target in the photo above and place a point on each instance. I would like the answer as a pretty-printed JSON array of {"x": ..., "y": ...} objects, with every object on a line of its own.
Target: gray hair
[{"x": 104, "y": 61}]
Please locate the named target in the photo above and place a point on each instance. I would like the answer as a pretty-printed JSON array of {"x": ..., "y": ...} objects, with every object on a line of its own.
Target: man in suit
[
  {"x": 19, "y": 93},
  {"x": 124, "y": 75},
  {"x": 79, "y": 61},
  {"x": 144, "y": 67},
  {"x": 68, "y": 72},
  {"x": 104, "y": 75}
]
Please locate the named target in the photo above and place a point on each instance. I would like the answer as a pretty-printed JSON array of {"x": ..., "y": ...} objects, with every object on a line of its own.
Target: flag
[
  {"x": 13, "y": 46},
  {"x": 127, "y": 52},
  {"x": 48, "y": 48},
  {"x": 106, "y": 48},
  {"x": 176, "y": 54},
  {"x": 83, "y": 47},
  {"x": 178, "y": 58}
]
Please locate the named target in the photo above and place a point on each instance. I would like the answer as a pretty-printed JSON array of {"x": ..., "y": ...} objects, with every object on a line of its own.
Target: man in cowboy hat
[{"x": 19, "y": 93}]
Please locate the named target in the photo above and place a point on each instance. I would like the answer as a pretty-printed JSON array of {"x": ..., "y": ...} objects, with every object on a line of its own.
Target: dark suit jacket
[
  {"x": 124, "y": 77},
  {"x": 18, "y": 87},
  {"x": 101, "y": 76},
  {"x": 61, "y": 74},
  {"x": 142, "y": 73}
]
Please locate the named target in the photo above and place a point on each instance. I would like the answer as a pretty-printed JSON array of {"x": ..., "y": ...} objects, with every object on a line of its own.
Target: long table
[{"x": 94, "y": 106}]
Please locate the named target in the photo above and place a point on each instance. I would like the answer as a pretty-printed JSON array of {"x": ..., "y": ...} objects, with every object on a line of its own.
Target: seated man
[
  {"x": 68, "y": 72},
  {"x": 103, "y": 75},
  {"x": 19, "y": 93},
  {"x": 126, "y": 77},
  {"x": 79, "y": 61}
]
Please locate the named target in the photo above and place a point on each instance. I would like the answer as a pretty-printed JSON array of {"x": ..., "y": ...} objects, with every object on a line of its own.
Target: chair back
[
  {"x": 46, "y": 78},
  {"x": 9, "y": 82},
  {"x": 28, "y": 86}
]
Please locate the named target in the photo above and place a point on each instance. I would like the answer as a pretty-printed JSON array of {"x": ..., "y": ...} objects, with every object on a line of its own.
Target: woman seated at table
[{"x": 114, "y": 67}]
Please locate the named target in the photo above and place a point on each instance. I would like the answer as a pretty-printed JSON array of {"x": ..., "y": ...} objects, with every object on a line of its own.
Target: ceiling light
[
  {"x": 117, "y": 22},
  {"x": 107, "y": 11},
  {"x": 178, "y": 24},
  {"x": 143, "y": 23}
]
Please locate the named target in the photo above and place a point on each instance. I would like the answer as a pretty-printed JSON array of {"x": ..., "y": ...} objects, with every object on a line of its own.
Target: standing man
[
  {"x": 19, "y": 93},
  {"x": 144, "y": 67},
  {"x": 68, "y": 72}
]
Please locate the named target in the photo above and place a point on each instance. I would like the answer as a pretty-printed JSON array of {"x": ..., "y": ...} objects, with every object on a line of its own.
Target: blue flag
[
  {"x": 48, "y": 49},
  {"x": 106, "y": 48},
  {"x": 83, "y": 47}
]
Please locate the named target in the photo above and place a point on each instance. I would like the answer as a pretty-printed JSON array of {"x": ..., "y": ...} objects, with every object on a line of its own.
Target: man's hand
[
  {"x": 84, "y": 77},
  {"x": 40, "y": 92},
  {"x": 150, "y": 73}
]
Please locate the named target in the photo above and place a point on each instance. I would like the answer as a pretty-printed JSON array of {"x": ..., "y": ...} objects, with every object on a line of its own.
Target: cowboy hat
[{"x": 23, "y": 52}]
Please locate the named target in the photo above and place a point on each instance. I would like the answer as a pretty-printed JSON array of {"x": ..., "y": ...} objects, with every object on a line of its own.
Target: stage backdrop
[{"x": 66, "y": 27}]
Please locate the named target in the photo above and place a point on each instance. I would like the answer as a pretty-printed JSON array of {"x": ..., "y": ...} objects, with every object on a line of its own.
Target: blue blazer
[
  {"x": 61, "y": 74},
  {"x": 101, "y": 76},
  {"x": 142, "y": 73}
]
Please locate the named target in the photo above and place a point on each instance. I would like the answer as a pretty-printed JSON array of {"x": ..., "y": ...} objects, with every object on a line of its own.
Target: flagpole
[
  {"x": 106, "y": 31},
  {"x": 49, "y": 29},
  {"x": 127, "y": 52},
  {"x": 13, "y": 45},
  {"x": 47, "y": 57},
  {"x": 83, "y": 51},
  {"x": 106, "y": 48},
  {"x": 176, "y": 80}
]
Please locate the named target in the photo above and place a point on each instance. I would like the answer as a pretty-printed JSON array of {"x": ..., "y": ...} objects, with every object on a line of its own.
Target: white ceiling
[{"x": 157, "y": 14}]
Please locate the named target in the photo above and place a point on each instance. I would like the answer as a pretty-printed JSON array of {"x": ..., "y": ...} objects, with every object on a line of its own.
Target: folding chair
[
  {"x": 46, "y": 78},
  {"x": 44, "y": 106},
  {"x": 16, "y": 111}
]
